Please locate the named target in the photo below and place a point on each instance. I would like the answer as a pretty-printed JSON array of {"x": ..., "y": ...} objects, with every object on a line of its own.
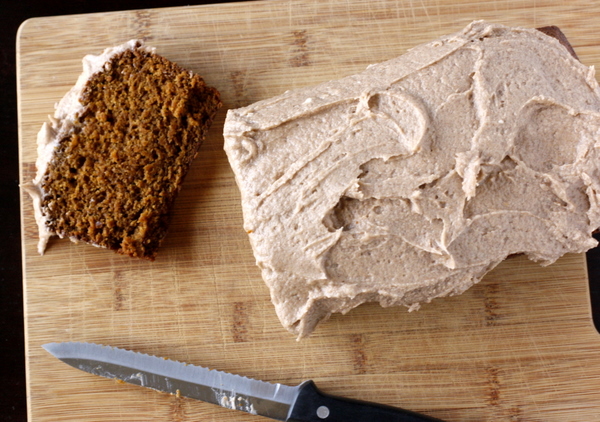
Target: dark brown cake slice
[{"x": 115, "y": 155}]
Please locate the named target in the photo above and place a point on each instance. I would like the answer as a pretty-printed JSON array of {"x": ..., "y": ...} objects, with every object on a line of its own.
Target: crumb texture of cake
[
  {"x": 115, "y": 154},
  {"x": 413, "y": 179}
]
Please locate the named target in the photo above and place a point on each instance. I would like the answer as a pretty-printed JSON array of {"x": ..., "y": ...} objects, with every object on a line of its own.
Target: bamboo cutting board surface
[{"x": 519, "y": 346}]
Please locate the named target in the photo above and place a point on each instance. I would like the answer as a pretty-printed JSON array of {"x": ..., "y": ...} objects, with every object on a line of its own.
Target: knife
[{"x": 302, "y": 403}]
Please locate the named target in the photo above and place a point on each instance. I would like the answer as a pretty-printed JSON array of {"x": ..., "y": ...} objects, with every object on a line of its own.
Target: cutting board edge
[{"x": 21, "y": 178}]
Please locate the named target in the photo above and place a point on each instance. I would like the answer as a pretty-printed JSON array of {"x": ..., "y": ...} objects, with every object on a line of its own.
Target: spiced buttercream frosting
[{"x": 413, "y": 179}]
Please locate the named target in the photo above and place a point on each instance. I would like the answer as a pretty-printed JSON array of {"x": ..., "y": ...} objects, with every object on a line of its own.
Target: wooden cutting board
[{"x": 519, "y": 346}]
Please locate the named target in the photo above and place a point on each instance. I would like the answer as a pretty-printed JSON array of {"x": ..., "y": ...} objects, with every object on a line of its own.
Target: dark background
[{"x": 12, "y": 368}]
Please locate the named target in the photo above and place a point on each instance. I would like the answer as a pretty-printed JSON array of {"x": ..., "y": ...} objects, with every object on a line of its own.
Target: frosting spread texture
[{"x": 413, "y": 179}]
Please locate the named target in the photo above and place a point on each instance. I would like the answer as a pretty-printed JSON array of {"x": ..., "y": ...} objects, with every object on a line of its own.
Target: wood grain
[{"x": 519, "y": 346}]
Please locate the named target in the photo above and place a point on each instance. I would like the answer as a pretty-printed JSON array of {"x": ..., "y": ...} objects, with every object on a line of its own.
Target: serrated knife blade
[{"x": 302, "y": 403}]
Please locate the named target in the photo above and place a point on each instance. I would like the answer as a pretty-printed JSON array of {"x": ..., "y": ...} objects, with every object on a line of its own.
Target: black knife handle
[{"x": 312, "y": 405}]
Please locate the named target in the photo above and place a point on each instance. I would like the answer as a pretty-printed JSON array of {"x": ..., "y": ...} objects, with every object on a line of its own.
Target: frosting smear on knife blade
[
  {"x": 181, "y": 379},
  {"x": 413, "y": 179}
]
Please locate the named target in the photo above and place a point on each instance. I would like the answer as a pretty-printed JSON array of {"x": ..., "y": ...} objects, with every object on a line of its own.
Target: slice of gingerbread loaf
[{"x": 112, "y": 159}]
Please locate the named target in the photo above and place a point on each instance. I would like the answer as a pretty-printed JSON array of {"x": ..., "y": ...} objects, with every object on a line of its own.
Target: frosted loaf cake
[{"x": 413, "y": 179}]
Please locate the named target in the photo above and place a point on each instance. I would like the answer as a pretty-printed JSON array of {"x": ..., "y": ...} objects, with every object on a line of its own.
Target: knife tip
[{"x": 50, "y": 347}]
